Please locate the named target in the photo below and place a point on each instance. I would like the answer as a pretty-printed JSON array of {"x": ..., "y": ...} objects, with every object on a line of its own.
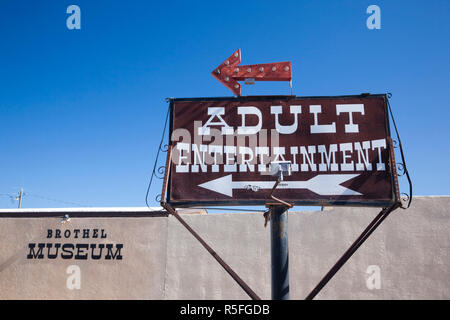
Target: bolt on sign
[{"x": 339, "y": 149}]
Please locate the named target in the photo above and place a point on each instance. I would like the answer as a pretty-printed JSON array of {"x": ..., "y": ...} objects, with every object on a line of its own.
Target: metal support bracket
[
  {"x": 171, "y": 210},
  {"x": 278, "y": 202},
  {"x": 227, "y": 268},
  {"x": 350, "y": 251}
]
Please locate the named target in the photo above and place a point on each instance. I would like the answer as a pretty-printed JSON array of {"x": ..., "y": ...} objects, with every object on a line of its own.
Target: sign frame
[{"x": 391, "y": 164}]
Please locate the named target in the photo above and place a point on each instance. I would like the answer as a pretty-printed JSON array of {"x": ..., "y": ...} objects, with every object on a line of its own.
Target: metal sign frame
[{"x": 166, "y": 193}]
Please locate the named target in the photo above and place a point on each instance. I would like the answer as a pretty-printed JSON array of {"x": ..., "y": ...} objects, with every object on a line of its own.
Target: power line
[
  {"x": 17, "y": 197},
  {"x": 54, "y": 200},
  {"x": 9, "y": 195},
  {"x": 22, "y": 194}
]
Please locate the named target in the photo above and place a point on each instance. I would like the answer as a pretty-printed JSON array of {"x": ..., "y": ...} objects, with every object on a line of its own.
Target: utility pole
[
  {"x": 279, "y": 245},
  {"x": 279, "y": 252},
  {"x": 20, "y": 197}
]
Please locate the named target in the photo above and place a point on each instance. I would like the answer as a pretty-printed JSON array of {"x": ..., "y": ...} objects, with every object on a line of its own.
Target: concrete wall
[
  {"x": 408, "y": 256},
  {"x": 138, "y": 275}
]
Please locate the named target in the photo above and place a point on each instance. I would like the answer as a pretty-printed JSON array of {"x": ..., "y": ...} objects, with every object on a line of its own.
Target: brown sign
[{"x": 338, "y": 148}]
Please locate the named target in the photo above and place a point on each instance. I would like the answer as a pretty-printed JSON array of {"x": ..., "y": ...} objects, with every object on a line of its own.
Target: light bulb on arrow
[{"x": 230, "y": 72}]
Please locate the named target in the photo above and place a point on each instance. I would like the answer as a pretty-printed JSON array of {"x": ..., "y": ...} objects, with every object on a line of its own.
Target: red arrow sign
[{"x": 230, "y": 72}]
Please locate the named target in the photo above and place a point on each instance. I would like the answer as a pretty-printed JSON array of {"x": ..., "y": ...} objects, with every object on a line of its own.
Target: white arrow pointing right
[{"x": 322, "y": 184}]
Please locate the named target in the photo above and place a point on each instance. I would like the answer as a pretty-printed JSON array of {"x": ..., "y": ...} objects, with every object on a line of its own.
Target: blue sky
[{"x": 81, "y": 111}]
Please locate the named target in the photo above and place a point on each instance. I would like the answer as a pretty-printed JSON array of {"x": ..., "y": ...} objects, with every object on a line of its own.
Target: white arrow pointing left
[{"x": 323, "y": 184}]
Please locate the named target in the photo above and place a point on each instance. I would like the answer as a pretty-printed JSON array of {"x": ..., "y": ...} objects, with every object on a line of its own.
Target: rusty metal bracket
[
  {"x": 227, "y": 268},
  {"x": 394, "y": 169},
  {"x": 171, "y": 210},
  {"x": 401, "y": 165},
  {"x": 278, "y": 202},
  {"x": 166, "y": 174},
  {"x": 160, "y": 171}
]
